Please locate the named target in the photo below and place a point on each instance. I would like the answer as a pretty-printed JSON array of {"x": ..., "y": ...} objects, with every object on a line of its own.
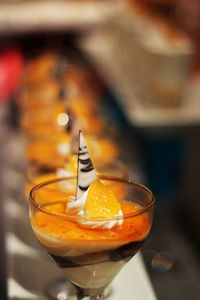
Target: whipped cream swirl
[
  {"x": 79, "y": 206},
  {"x": 61, "y": 172}
]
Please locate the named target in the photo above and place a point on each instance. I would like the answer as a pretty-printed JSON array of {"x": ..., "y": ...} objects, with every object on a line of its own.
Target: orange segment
[{"x": 101, "y": 202}]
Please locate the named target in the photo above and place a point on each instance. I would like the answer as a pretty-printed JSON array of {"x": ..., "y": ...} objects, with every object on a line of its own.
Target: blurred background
[{"x": 130, "y": 72}]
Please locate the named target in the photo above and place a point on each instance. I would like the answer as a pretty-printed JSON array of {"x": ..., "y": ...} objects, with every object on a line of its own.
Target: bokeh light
[
  {"x": 63, "y": 119},
  {"x": 162, "y": 262}
]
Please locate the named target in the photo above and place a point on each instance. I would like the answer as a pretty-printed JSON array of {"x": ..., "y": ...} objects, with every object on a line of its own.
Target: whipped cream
[
  {"x": 63, "y": 148},
  {"x": 79, "y": 206},
  {"x": 61, "y": 172}
]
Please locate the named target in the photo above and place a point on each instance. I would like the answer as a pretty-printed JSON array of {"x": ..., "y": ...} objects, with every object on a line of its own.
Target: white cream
[
  {"x": 63, "y": 148},
  {"x": 61, "y": 172},
  {"x": 79, "y": 206}
]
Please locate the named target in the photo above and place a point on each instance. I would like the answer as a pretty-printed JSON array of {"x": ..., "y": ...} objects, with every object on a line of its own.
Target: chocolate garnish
[{"x": 86, "y": 172}]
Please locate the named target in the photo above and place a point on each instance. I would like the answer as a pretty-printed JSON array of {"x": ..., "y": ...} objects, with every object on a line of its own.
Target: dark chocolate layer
[{"x": 123, "y": 252}]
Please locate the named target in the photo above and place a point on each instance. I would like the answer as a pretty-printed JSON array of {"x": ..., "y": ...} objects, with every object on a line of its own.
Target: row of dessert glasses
[{"x": 55, "y": 93}]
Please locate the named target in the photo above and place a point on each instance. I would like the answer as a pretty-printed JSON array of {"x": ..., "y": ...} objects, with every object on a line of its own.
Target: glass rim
[{"x": 138, "y": 212}]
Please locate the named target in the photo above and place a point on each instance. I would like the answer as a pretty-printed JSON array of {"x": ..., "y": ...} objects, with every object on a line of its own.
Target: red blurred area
[{"x": 11, "y": 67}]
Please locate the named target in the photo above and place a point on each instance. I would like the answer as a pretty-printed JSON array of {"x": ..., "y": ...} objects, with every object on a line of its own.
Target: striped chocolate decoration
[
  {"x": 75, "y": 129},
  {"x": 86, "y": 172}
]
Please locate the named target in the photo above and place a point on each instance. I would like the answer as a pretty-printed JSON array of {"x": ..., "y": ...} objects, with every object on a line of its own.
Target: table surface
[{"x": 29, "y": 269}]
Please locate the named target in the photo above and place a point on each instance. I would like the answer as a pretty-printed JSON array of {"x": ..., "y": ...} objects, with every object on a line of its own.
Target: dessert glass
[{"x": 90, "y": 257}]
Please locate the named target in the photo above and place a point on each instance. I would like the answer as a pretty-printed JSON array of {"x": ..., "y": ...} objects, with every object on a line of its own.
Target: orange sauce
[{"x": 133, "y": 228}]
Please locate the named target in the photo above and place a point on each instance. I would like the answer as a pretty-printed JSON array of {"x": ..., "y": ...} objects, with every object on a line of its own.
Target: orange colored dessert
[
  {"x": 45, "y": 121},
  {"x": 93, "y": 124},
  {"x": 82, "y": 251},
  {"x": 46, "y": 90},
  {"x": 82, "y": 106},
  {"x": 101, "y": 202},
  {"x": 38, "y": 96},
  {"x": 51, "y": 152},
  {"x": 131, "y": 230},
  {"x": 104, "y": 150},
  {"x": 92, "y": 247},
  {"x": 40, "y": 68}
]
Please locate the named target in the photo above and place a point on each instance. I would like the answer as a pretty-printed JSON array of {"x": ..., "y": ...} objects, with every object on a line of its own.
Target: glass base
[{"x": 62, "y": 289}]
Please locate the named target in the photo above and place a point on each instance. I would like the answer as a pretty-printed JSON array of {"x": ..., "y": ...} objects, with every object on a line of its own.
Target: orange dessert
[
  {"x": 46, "y": 121},
  {"x": 92, "y": 252},
  {"x": 41, "y": 68},
  {"x": 39, "y": 96},
  {"x": 51, "y": 152},
  {"x": 93, "y": 124},
  {"x": 67, "y": 230},
  {"x": 104, "y": 150},
  {"x": 90, "y": 231}
]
